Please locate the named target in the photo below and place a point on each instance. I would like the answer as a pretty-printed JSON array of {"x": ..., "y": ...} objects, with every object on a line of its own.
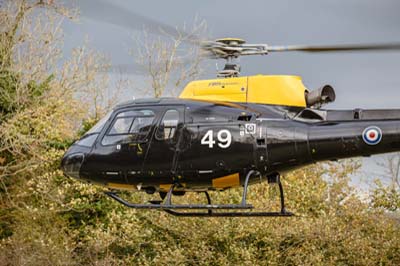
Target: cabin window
[
  {"x": 168, "y": 125},
  {"x": 129, "y": 126},
  {"x": 141, "y": 124}
]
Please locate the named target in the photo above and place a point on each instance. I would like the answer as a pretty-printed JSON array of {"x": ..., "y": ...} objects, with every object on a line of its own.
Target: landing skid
[{"x": 213, "y": 210}]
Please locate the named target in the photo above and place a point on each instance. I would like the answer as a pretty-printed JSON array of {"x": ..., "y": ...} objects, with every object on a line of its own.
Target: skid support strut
[{"x": 213, "y": 210}]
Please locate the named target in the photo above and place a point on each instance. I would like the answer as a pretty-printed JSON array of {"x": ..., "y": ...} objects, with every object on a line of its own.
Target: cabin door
[
  {"x": 162, "y": 156},
  {"x": 123, "y": 146}
]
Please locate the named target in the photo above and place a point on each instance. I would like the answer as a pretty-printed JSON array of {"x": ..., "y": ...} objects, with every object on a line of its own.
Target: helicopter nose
[{"x": 71, "y": 164}]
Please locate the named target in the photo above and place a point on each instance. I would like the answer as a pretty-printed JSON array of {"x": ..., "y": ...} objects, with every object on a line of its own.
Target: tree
[
  {"x": 386, "y": 193},
  {"x": 170, "y": 59},
  {"x": 42, "y": 106},
  {"x": 19, "y": 89},
  {"x": 34, "y": 89}
]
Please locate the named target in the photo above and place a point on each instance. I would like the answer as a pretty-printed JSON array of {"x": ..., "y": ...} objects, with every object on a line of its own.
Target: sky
[{"x": 360, "y": 79}]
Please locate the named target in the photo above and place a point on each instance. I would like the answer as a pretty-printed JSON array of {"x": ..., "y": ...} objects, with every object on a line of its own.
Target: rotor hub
[
  {"x": 229, "y": 49},
  {"x": 231, "y": 41}
]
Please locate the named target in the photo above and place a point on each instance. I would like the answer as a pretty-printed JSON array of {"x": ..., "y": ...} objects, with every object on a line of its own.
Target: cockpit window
[
  {"x": 99, "y": 125},
  {"x": 87, "y": 140},
  {"x": 90, "y": 136},
  {"x": 129, "y": 126},
  {"x": 121, "y": 125}
]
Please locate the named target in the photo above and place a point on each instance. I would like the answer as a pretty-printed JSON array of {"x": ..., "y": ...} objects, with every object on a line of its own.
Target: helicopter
[{"x": 227, "y": 132}]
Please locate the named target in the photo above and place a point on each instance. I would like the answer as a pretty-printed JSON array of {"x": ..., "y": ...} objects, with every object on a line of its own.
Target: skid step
[
  {"x": 179, "y": 206},
  {"x": 229, "y": 214}
]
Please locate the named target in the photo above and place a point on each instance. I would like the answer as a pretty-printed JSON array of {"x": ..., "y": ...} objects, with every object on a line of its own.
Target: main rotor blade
[
  {"x": 111, "y": 13},
  {"x": 135, "y": 69},
  {"x": 335, "y": 48}
]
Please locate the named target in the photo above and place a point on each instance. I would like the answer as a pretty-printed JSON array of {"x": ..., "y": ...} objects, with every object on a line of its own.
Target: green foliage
[
  {"x": 333, "y": 227},
  {"x": 5, "y": 222},
  {"x": 8, "y": 88},
  {"x": 11, "y": 89},
  {"x": 386, "y": 197},
  {"x": 36, "y": 90}
]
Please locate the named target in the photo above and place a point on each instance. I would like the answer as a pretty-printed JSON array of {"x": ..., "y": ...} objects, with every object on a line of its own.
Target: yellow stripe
[
  {"x": 121, "y": 186},
  {"x": 165, "y": 187},
  {"x": 226, "y": 181}
]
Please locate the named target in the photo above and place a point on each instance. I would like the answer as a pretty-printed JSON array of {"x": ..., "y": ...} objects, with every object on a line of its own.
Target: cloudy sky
[
  {"x": 365, "y": 80},
  {"x": 361, "y": 79}
]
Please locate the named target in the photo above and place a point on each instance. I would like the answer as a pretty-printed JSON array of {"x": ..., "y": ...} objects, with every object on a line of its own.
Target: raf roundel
[{"x": 372, "y": 135}]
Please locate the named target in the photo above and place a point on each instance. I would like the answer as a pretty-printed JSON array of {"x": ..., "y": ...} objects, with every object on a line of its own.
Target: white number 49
[{"x": 224, "y": 138}]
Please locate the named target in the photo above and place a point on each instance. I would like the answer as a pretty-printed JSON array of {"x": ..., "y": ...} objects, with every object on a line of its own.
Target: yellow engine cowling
[{"x": 261, "y": 89}]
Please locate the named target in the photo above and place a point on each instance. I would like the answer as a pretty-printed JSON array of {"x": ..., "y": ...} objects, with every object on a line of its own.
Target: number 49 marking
[{"x": 224, "y": 138}]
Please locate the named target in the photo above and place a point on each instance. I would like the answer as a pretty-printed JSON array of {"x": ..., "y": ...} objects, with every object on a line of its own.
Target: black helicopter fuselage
[{"x": 198, "y": 145}]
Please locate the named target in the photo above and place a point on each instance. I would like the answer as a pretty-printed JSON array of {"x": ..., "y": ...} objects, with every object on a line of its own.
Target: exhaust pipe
[{"x": 323, "y": 95}]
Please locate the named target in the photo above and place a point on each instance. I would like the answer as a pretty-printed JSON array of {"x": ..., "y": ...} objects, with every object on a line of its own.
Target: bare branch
[{"x": 164, "y": 58}]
